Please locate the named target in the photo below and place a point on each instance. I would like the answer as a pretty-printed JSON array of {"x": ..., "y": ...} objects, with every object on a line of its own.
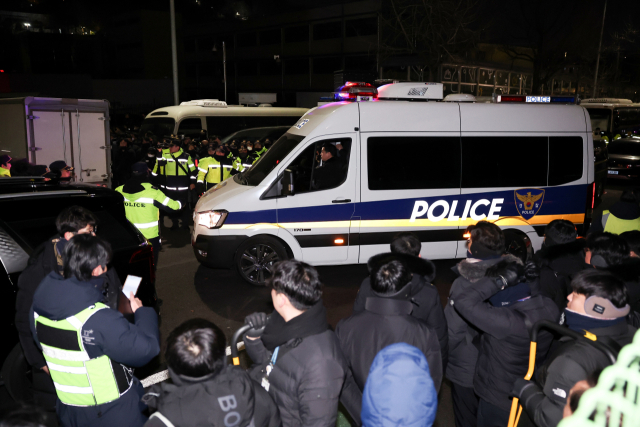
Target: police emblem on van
[{"x": 528, "y": 201}]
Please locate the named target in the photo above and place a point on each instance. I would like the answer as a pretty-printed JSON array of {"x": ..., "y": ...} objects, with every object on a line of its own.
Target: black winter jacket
[
  {"x": 558, "y": 264},
  {"x": 629, "y": 272},
  {"x": 106, "y": 332},
  {"x": 229, "y": 397},
  {"x": 505, "y": 343},
  {"x": 386, "y": 321},
  {"x": 422, "y": 294},
  {"x": 307, "y": 379},
  {"x": 42, "y": 262},
  {"x": 571, "y": 362}
]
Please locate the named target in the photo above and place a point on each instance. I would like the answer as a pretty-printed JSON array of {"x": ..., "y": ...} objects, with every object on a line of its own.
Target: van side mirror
[{"x": 287, "y": 183}]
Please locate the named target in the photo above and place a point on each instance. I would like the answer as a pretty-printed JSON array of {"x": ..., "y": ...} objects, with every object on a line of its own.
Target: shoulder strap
[{"x": 179, "y": 164}]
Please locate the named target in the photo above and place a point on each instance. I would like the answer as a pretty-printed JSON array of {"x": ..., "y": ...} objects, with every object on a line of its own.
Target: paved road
[{"x": 191, "y": 290}]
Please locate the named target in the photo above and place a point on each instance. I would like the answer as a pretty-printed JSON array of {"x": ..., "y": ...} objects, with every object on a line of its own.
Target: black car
[
  {"x": 624, "y": 159},
  {"x": 28, "y": 209}
]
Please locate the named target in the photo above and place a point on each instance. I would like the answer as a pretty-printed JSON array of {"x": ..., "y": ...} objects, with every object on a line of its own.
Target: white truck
[{"x": 44, "y": 130}]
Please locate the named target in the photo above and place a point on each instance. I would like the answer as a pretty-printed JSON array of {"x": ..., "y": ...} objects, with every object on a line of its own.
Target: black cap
[
  {"x": 59, "y": 165},
  {"x": 4, "y": 159},
  {"x": 140, "y": 168}
]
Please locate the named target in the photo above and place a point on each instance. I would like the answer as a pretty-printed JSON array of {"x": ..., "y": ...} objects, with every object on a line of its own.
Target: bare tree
[{"x": 433, "y": 31}]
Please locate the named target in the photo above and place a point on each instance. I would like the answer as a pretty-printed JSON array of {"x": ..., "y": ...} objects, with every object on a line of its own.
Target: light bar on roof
[
  {"x": 412, "y": 91},
  {"x": 536, "y": 99},
  {"x": 205, "y": 103},
  {"x": 356, "y": 91}
]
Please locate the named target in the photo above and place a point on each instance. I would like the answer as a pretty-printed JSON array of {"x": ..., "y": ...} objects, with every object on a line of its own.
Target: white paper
[{"x": 131, "y": 285}]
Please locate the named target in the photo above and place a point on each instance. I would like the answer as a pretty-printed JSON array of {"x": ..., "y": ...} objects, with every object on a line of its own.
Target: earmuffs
[{"x": 602, "y": 308}]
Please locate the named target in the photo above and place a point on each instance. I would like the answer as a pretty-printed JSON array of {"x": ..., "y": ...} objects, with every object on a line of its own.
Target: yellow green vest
[
  {"x": 212, "y": 171},
  {"x": 615, "y": 225},
  {"x": 142, "y": 213},
  {"x": 5, "y": 173},
  {"x": 78, "y": 379}
]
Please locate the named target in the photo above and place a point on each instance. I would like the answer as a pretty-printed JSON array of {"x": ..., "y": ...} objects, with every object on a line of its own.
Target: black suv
[{"x": 28, "y": 209}]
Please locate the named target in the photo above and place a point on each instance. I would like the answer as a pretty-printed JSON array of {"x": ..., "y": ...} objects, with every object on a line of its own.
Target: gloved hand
[
  {"x": 519, "y": 386},
  {"x": 257, "y": 321},
  {"x": 200, "y": 188}
]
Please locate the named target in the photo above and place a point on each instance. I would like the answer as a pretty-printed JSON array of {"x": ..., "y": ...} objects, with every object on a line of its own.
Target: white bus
[
  {"x": 615, "y": 117},
  {"x": 216, "y": 118}
]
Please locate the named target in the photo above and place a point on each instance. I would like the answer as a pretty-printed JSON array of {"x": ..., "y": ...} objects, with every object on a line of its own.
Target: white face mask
[
  {"x": 249, "y": 148},
  {"x": 150, "y": 155}
]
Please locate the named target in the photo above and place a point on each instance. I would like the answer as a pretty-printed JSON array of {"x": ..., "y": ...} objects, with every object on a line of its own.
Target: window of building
[
  {"x": 309, "y": 174},
  {"x": 269, "y": 37},
  {"x": 296, "y": 66},
  {"x": 296, "y": 34},
  {"x": 363, "y": 62},
  {"x": 247, "y": 68},
  {"x": 246, "y": 39},
  {"x": 327, "y": 65},
  {"x": 327, "y": 30},
  {"x": 361, "y": 27},
  {"x": 565, "y": 159},
  {"x": 431, "y": 162},
  {"x": 504, "y": 161}
]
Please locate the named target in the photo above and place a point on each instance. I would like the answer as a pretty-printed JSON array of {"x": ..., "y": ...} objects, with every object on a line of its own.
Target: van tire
[
  {"x": 518, "y": 244},
  {"x": 255, "y": 258},
  {"x": 16, "y": 374}
]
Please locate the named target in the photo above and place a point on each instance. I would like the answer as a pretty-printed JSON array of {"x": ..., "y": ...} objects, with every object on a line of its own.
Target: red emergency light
[{"x": 350, "y": 91}]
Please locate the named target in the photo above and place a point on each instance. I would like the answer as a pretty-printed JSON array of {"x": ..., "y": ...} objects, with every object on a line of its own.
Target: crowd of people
[{"x": 382, "y": 366}]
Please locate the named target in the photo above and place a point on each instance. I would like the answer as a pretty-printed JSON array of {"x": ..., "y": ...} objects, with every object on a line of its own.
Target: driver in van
[{"x": 329, "y": 174}]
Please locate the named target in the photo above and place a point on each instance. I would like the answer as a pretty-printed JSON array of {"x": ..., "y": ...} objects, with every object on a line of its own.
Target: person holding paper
[
  {"x": 90, "y": 349},
  {"x": 142, "y": 202}
]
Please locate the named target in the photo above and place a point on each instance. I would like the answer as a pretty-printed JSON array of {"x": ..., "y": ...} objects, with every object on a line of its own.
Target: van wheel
[
  {"x": 518, "y": 244},
  {"x": 16, "y": 374},
  {"x": 256, "y": 257}
]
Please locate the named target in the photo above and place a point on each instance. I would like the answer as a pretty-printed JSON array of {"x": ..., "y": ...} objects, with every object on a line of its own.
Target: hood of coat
[
  {"x": 183, "y": 401},
  {"x": 567, "y": 258},
  {"x": 474, "y": 269},
  {"x": 625, "y": 210},
  {"x": 399, "y": 389},
  {"x": 58, "y": 298},
  {"x": 420, "y": 266}
]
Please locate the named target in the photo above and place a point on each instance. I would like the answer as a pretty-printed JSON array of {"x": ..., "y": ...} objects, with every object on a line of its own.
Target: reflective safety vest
[
  {"x": 257, "y": 154},
  {"x": 178, "y": 169},
  {"x": 615, "y": 225},
  {"x": 141, "y": 210},
  {"x": 212, "y": 171},
  {"x": 240, "y": 165},
  {"x": 606, "y": 139},
  {"x": 79, "y": 380},
  {"x": 5, "y": 173}
]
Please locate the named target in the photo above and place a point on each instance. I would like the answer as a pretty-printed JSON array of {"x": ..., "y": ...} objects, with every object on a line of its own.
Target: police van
[
  {"x": 190, "y": 118},
  {"x": 403, "y": 163}
]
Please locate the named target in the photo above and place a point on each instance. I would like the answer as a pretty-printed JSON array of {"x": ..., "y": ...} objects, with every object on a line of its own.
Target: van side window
[
  {"x": 310, "y": 173},
  {"x": 415, "y": 162},
  {"x": 565, "y": 158},
  {"x": 504, "y": 161},
  {"x": 189, "y": 127}
]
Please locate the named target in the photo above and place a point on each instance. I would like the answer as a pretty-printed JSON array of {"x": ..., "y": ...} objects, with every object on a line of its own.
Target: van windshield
[
  {"x": 600, "y": 118},
  {"x": 272, "y": 158},
  {"x": 159, "y": 126}
]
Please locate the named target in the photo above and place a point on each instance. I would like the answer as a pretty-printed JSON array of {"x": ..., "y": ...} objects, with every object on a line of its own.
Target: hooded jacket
[
  {"x": 558, "y": 264},
  {"x": 41, "y": 263},
  {"x": 422, "y": 294},
  {"x": 620, "y": 210},
  {"x": 571, "y": 362},
  {"x": 106, "y": 332},
  {"x": 505, "y": 341},
  {"x": 399, "y": 390},
  {"x": 629, "y": 272},
  {"x": 223, "y": 398},
  {"x": 386, "y": 320}
]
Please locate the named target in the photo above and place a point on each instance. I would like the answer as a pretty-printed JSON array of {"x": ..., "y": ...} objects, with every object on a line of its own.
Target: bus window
[
  {"x": 190, "y": 127},
  {"x": 600, "y": 118}
]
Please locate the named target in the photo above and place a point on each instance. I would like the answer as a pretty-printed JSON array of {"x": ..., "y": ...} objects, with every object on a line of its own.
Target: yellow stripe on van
[{"x": 405, "y": 223}]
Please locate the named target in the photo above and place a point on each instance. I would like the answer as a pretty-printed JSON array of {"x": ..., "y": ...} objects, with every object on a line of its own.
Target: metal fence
[{"x": 484, "y": 81}]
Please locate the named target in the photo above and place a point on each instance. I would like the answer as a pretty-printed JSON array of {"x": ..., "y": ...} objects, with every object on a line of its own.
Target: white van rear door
[
  {"x": 51, "y": 136},
  {"x": 89, "y": 142},
  {"x": 319, "y": 213}
]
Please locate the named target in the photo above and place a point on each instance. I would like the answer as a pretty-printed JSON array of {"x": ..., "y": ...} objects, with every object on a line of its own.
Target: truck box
[{"x": 44, "y": 130}]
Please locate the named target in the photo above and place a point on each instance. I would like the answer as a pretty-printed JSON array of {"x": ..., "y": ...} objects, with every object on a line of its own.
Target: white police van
[{"x": 432, "y": 168}]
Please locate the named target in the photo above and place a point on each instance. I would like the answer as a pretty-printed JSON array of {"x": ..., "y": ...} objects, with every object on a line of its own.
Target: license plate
[{"x": 613, "y": 172}]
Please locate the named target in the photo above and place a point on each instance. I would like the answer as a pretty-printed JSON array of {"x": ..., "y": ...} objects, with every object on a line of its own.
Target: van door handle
[{"x": 341, "y": 201}]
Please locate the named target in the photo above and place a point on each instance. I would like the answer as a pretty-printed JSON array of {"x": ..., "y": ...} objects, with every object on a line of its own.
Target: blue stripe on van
[{"x": 557, "y": 201}]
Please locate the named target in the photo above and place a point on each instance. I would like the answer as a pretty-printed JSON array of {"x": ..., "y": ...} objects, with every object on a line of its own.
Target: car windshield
[
  {"x": 159, "y": 126},
  {"x": 265, "y": 164},
  {"x": 256, "y": 133},
  {"x": 628, "y": 148},
  {"x": 600, "y": 118}
]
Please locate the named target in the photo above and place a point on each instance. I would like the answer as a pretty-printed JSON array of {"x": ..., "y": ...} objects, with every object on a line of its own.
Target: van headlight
[{"x": 212, "y": 219}]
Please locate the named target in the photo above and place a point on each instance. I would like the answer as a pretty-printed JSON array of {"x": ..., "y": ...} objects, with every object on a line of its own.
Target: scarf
[
  {"x": 511, "y": 295},
  {"x": 581, "y": 322},
  {"x": 311, "y": 322}
]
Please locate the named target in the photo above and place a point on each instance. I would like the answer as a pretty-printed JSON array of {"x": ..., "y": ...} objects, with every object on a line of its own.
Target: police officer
[
  {"x": 258, "y": 151},
  {"x": 213, "y": 169},
  {"x": 179, "y": 171},
  {"x": 142, "y": 202},
  {"x": 242, "y": 162},
  {"x": 5, "y": 166},
  {"x": 89, "y": 348},
  {"x": 623, "y": 216}
]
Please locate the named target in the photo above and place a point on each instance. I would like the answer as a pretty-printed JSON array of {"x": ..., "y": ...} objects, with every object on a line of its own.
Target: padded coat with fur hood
[{"x": 505, "y": 342}]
